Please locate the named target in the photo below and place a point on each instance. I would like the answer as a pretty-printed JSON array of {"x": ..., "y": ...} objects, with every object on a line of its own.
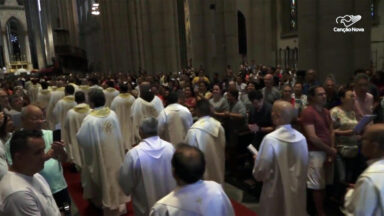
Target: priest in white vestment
[
  {"x": 75, "y": 86},
  {"x": 23, "y": 191},
  {"x": 56, "y": 94},
  {"x": 281, "y": 165},
  {"x": 208, "y": 135},
  {"x": 146, "y": 173},
  {"x": 110, "y": 93},
  {"x": 33, "y": 90},
  {"x": 43, "y": 96},
  {"x": 174, "y": 120},
  {"x": 94, "y": 83},
  {"x": 85, "y": 89},
  {"x": 100, "y": 139},
  {"x": 71, "y": 126},
  {"x": 63, "y": 105},
  {"x": 122, "y": 106},
  {"x": 143, "y": 107},
  {"x": 158, "y": 103},
  {"x": 192, "y": 196},
  {"x": 366, "y": 197}
]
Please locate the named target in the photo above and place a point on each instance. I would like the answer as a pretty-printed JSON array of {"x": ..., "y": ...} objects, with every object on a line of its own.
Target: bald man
[
  {"x": 270, "y": 93},
  {"x": 281, "y": 165},
  {"x": 366, "y": 198}
]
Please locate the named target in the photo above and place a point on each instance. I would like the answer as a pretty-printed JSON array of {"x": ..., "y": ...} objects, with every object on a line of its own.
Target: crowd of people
[{"x": 166, "y": 141}]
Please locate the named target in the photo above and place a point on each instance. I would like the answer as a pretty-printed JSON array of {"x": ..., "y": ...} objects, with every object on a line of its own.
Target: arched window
[
  {"x": 242, "y": 33},
  {"x": 2, "y": 2},
  {"x": 15, "y": 40},
  {"x": 20, "y": 2}
]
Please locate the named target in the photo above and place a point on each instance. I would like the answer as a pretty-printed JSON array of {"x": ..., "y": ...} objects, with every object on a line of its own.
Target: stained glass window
[
  {"x": 293, "y": 15},
  {"x": 372, "y": 8}
]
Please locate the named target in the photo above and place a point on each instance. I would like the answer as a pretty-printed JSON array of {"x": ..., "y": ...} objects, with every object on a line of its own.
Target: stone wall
[{"x": 377, "y": 37}]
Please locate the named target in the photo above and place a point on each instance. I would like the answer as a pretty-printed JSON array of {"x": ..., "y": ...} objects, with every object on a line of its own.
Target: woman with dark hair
[
  {"x": 344, "y": 121},
  {"x": 218, "y": 102},
  {"x": 203, "y": 92},
  {"x": 189, "y": 98},
  {"x": 251, "y": 86}
]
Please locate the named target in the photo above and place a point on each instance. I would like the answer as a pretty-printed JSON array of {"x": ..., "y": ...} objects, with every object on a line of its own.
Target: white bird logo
[{"x": 348, "y": 20}]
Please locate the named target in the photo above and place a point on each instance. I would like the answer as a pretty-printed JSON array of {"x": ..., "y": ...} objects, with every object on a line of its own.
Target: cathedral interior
[{"x": 334, "y": 37}]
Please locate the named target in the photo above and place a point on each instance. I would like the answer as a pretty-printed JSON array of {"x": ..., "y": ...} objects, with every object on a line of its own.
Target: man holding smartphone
[{"x": 32, "y": 118}]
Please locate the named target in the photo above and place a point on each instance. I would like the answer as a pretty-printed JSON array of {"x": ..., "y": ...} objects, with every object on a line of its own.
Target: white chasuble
[
  {"x": 207, "y": 134},
  {"x": 203, "y": 198},
  {"x": 110, "y": 94},
  {"x": 43, "y": 98},
  {"x": 367, "y": 197},
  {"x": 140, "y": 110},
  {"x": 62, "y": 107},
  {"x": 174, "y": 122},
  {"x": 122, "y": 106},
  {"x": 282, "y": 164},
  {"x": 100, "y": 139},
  {"x": 72, "y": 125},
  {"x": 56, "y": 95},
  {"x": 147, "y": 173}
]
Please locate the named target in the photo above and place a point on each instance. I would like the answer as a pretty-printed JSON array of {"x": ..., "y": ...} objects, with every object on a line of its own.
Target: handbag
[{"x": 347, "y": 151}]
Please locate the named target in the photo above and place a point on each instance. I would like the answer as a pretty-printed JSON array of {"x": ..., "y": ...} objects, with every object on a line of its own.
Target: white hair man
[{"x": 146, "y": 173}]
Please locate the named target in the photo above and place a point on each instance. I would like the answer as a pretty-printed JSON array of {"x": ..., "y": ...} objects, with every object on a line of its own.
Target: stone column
[
  {"x": 37, "y": 47},
  {"x": 171, "y": 34},
  {"x": 27, "y": 51},
  {"x": 262, "y": 27},
  {"x": 135, "y": 53},
  {"x": 232, "y": 55},
  {"x": 6, "y": 51},
  {"x": 197, "y": 31},
  {"x": 46, "y": 18},
  {"x": 331, "y": 52},
  {"x": 121, "y": 19},
  {"x": 155, "y": 33}
]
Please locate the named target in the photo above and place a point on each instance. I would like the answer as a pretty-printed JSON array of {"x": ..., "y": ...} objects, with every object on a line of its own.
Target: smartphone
[{"x": 57, "y": 135}]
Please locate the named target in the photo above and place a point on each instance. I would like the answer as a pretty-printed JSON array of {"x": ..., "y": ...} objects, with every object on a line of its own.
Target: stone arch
[{"x": 15, "y": 39}]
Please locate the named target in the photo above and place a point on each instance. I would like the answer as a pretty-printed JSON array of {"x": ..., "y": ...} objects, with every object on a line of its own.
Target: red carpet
[{"x": 85, "y": 208}]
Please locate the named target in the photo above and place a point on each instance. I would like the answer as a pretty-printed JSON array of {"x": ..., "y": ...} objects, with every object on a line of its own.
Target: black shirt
[{"x": 262, "y": 118}]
